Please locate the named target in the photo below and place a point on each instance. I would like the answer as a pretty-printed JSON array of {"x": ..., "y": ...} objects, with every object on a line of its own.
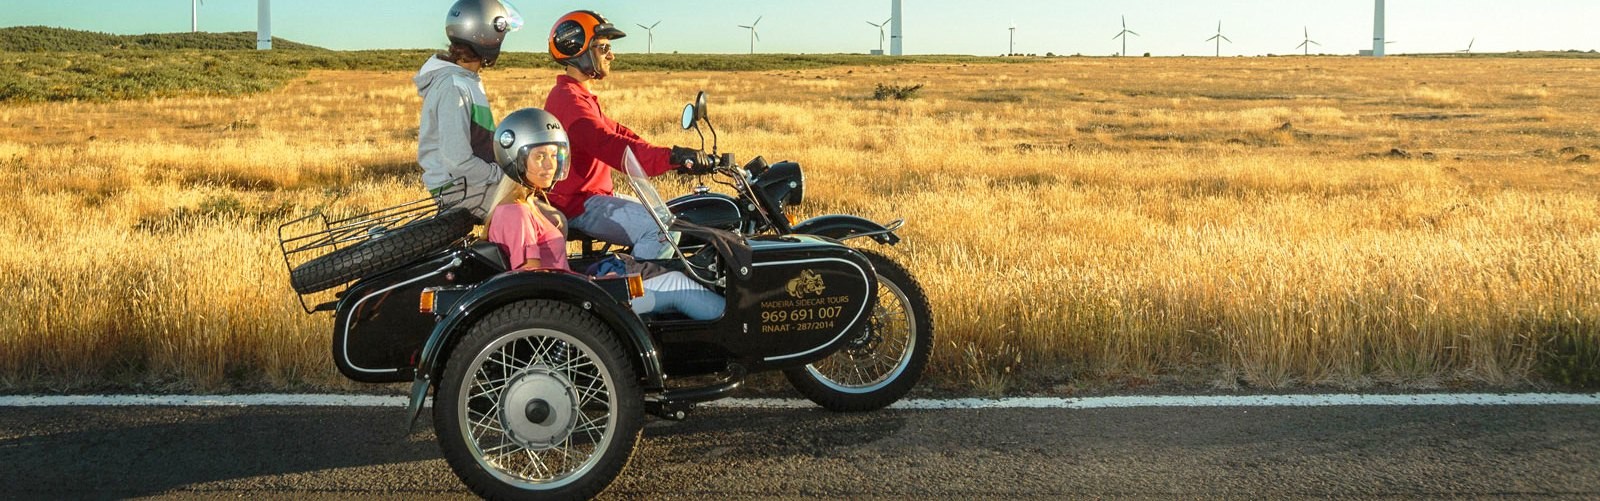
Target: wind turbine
[
  {"x": 194, "y": 15},
  {"x": 1219, "y": 38},
  {"x": 1011, "y": 50},
  {"x": 1469, "y": 45},
  {"x": 880, "y": 27},
  {"x": 894, "y": 29},
  {"x": 263, "y": 24},
  {"x": 1124, "y": 35},
  {"x": 1308, "y": 43},
  {"x": 753, "y": 35},
  {"x": 650, "y": 37},
  {"x": 1378, "y": 42}
]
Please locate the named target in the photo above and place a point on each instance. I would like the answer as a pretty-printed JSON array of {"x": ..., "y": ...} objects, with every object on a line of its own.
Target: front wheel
[
  {"x": 882, "y": 362},
  {"x": 538, "y": 401}
]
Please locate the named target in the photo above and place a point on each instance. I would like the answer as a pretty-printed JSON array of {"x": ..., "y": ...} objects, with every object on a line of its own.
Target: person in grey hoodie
[{"x": 453, "y": 139}]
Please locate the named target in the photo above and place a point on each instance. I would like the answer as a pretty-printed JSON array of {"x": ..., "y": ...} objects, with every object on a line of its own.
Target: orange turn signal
[
  {"x": 635, "y": 286},
  {"x": 792, "y": 220},
  {"x": 427, "y": 301}
]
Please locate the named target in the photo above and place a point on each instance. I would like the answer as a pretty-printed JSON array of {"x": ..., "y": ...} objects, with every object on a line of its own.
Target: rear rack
[{"x": 316, "y": 234}]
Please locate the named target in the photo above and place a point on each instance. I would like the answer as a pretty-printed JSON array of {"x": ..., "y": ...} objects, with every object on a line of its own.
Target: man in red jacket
[{"x": 581, "y": 41}]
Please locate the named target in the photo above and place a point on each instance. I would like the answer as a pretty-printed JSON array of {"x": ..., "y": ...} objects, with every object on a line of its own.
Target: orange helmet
[{"x": 574, "y": 34}]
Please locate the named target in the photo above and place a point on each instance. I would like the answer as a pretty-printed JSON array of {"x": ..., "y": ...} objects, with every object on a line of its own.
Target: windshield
[{"x": 647, "y": 193}]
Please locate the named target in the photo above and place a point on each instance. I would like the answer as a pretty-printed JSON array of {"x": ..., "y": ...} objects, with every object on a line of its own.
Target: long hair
[{"x": 458, "y": 53}]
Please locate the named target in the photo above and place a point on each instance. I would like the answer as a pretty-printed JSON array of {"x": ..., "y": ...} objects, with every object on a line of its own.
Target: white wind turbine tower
[
  {"x": 1377, "y": 29},
  {"x": 894, "y": 28},
  {"x": 753, "y": 35},
  {"x": 880, "y": 27},
  {"x": 1219, "y": 38},
  {"x": 263, "y": 24},
  {"x": 1308, "y": 42},
  {"x": 1124, "y": 35},
  {"x": 650, "y": 37},
  {"x": 1011, "y": 50},
  {"x": 194, "y": 15}
]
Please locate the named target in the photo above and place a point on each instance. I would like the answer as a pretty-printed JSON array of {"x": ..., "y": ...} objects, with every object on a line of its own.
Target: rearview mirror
[
  {"x": 688, "y": 116},
  {"x": 700, "y": 106}
]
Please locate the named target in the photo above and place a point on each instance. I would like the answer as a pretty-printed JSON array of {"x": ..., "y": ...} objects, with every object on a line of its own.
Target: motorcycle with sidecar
[{"x": 542, "y": 378}]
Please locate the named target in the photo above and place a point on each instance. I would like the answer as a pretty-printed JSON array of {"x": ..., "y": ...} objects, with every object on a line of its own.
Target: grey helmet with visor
[
  {"x": 482, "y": 25},
  {"x": 519, "y": 133}
]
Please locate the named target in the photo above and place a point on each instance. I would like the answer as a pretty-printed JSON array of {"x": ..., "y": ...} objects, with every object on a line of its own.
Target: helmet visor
[
  {"x": 539, "y": 159},
  {"x": 513, "y": 17}
]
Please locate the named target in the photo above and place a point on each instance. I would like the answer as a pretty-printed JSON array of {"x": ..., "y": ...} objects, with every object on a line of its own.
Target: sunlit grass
[{"x": 1082, "y": 222}]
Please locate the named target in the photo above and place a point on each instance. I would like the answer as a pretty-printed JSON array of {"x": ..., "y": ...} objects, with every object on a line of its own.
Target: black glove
[{"x": 690, "y": 161}]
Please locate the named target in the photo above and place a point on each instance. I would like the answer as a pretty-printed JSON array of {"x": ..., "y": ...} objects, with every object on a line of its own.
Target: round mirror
[
  {"x": 688, "y": 116},
  {"x": 700, "y": 106}
]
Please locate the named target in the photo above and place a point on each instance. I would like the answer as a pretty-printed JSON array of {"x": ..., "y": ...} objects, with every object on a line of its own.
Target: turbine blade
[
  {"x": 1134, "y": 33},
  {"x": 1213, "y": 37},
  {"x": 886, "y": 21},
  {"x": 646, "y": 28},
  {"x": 757, "y": 34},
  {"x": 1315, "y": 43},
  {"x": 653, "y": 26},
  {"x": 1302, "y": 44},
  {"x": 1225, "y": 39},
  {"x": 758, "y": 20}
]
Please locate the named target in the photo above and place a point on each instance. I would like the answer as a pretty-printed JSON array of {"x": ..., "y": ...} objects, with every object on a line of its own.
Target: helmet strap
[{"x": 593, "y": 69}]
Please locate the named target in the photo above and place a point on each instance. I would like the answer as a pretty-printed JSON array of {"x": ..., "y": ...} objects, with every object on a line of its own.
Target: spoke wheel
[
  {"x": 537, "y": 401},
  {"x": 884, "y": 361}
]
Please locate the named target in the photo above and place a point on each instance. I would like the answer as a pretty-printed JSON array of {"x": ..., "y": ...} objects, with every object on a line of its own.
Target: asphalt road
[{"x": 299, "y": 452}]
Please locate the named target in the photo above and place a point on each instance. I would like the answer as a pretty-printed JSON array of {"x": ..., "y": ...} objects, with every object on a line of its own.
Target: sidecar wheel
[
  {"x": 538, "y": 401},
  {"x": 886, "y": 359}
]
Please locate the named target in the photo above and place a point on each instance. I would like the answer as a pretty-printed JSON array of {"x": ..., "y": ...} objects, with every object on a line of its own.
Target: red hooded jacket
[{"x": 596, "y": 142}]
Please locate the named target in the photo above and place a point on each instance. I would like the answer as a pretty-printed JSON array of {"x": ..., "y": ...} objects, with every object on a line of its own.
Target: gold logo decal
[{"x": 809, "y": 282}]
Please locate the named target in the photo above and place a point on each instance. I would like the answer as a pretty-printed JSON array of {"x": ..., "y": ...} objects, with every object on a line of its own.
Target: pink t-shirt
[{"x": 525, "y": 233}]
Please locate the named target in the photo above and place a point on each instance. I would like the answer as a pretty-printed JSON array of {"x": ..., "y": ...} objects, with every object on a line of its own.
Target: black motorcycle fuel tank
[
  {"x": 713, "y": 210},
  {"x": 804, "y": 299}
]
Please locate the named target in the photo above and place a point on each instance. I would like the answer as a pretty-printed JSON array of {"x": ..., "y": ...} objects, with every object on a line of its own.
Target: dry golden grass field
[{"x": 1079, "y": 224}]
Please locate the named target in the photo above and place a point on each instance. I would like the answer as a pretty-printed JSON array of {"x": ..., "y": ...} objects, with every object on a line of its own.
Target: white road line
[{"x": 314, "y": 400}]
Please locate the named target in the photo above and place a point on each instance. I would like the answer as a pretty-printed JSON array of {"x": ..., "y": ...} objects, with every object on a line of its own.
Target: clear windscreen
[{"x": 647, "y": 192}]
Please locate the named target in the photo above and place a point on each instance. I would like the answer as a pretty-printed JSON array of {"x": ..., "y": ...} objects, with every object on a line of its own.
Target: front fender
[
  {"x": 510, "y": 287},
  {"x": 845, "y": 227}
]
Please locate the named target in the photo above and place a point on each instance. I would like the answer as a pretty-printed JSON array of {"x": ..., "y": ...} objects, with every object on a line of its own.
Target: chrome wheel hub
[{"x": 538, "y": 408}]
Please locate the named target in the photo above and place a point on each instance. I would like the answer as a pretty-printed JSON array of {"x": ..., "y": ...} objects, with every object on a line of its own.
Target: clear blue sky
[{"x": 1166, "y": 27}]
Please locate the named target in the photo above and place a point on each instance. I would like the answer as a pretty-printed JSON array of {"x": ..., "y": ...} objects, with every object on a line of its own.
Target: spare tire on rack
[{"x": 382, "y": 252}]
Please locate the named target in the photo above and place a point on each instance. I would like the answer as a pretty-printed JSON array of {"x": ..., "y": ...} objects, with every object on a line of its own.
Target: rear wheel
[
  {"x": 884, "y": 361},
  {"x": 538, "y": 401}
]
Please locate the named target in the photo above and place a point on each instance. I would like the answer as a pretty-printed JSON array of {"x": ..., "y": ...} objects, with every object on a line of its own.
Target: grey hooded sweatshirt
[{"x": 454, "y": 139}]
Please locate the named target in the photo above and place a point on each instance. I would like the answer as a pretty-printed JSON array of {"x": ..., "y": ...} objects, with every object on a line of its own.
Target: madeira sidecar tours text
[{"x": 541, "y": 379}]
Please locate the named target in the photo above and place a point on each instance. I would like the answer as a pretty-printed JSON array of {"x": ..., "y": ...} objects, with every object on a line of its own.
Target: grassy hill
[
  {"x": 47, "y": 39},
  {"x": 53, "y": 64}
]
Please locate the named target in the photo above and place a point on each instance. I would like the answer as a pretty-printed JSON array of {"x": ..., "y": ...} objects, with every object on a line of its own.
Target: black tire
[
  {"x": 397, "y": 247},
  {"x": 538, "y": 351},
  {"x": 900, "y": 331}
]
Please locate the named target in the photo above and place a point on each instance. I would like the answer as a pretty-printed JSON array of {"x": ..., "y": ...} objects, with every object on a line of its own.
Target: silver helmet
[
  {"x": 521, "y": 131},
  {"x": 482, "y": 25}
]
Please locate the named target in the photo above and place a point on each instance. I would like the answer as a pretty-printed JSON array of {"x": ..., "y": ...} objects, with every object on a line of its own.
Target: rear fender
[
  {"x": 511, "y": 287},
  {"x": 844, "y": 227}
]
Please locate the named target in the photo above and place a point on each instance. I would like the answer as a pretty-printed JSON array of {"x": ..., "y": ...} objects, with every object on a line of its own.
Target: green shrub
[{"x": 896, "y": 92}]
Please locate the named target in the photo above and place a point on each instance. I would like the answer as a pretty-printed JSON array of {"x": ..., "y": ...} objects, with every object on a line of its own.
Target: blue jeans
[
  {"x": 623, "y": 221},
  {"x": 675, "y": 291}
]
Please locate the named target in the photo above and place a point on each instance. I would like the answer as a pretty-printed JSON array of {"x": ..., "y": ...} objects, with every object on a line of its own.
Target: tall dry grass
[{"x": 1079, "y": 223}]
